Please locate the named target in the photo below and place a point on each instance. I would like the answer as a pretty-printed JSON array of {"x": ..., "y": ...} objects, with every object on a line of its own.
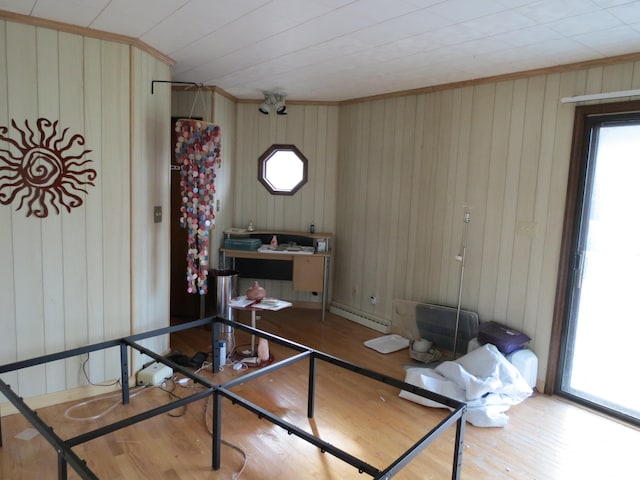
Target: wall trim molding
[
  {"x": 104, "y": 35},
  {"x": 600, "y": 62},
  {"x": 63, "y": 396},
  {"x": 86, "y": 32},
  {"x": 376, "y": 323}
]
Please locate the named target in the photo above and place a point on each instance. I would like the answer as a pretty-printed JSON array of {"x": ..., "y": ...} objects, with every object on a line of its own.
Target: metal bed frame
[{"x": 67, "y": 457}]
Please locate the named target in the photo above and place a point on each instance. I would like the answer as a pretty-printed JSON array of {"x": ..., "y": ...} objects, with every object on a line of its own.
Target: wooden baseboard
[
  {"x": 362, "y": 318},
  {"x": 308, "y": 305},
  {"x": 49, "y": 399}
]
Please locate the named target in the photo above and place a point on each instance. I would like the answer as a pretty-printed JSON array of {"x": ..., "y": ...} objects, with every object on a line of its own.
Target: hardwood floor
[{"x": 547, "y": 438}]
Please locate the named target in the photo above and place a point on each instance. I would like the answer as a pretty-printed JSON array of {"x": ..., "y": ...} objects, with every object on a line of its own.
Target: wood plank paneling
[
  {"x": 509, "y": 213},
  {"x": 224, "y": 115},
  {"x": 53, "y": 268},
  {"x": 150, "y": 177},
  {"x": 9, "y": 350},
  {"x": 67, "y": 277},
  {"x": 497, "y": 184},
  {"x": 116, "y": 185},
  {"x": 314, "y": 130},
  {"x": 500, "y": 149},
  {"x": 96, "y": 322},
  {"x": 21, "y": 49},
  {"x": 390, "y": 176},
  {"x": 75, "y": 275}
]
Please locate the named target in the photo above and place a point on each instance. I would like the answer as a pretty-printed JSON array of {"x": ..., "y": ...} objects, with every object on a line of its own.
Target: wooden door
[{"x": 183, "y": 304}]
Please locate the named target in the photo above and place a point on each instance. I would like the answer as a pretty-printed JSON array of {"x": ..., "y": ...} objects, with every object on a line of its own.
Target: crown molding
[{"x": 86, "y": 32}]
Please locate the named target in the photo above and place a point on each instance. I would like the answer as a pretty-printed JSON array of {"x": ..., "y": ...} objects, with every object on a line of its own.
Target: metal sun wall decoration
[
  {"x": 42, "y": 169},
  {"x": 198, "y": 152}
]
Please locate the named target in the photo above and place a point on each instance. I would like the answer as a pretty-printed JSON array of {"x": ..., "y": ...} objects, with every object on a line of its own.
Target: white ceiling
[{"x": 335, "y": 50}]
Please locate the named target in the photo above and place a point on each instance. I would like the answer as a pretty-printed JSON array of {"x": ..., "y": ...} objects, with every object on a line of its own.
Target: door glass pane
[{"x": 601, "y": 361}]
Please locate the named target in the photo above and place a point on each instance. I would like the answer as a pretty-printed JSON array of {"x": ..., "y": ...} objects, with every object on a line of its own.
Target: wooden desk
[{"x": 309, "y": 272}]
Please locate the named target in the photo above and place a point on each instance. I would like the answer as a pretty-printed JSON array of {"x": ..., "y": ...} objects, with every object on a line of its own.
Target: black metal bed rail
[
  {"x": 436, "y": 397},
  {"x": 65, "y": 454},
  {"x": 132, "y": 420},
  {"x": 268, "y": 369},
  {"x": 64, "y": 447},
  {"x": 73, "y": 352},
  {"x": 52, "y": 357},
  {"x": 457, "y": 416},
  {"x": 291, "y": 429}
]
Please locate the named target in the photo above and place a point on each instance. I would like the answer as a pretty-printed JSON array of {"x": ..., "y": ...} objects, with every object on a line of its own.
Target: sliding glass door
[{"x": 599, "y": 359}]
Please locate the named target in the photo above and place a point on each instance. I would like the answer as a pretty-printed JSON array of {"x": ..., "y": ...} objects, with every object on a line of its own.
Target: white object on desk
[
  {"x": 292, "y": 251},
  {"x": 240, "y": 302},
  {"x": 272, "y": 304},
  {"x": 321, "y": 245}
]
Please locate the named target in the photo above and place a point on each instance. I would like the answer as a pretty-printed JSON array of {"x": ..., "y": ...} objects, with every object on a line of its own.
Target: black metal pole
[
  {"x": 124, "y": 373},
  {"x": 216, "y": 427},
  {"x": 62, "y": 467},
  {"x": 217, "y": 361},
  {"x": 311, "y": 400},
  {"x": 65, "y": 453},
  {"x": 458, "y": 447}
]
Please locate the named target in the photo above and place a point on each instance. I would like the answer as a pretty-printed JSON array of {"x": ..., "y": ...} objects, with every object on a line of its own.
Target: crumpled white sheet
[{"x": 483, "y": 378}]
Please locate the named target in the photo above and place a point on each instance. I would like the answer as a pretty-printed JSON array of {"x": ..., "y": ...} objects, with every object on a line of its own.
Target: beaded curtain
[{"x": 198, "y": 153}]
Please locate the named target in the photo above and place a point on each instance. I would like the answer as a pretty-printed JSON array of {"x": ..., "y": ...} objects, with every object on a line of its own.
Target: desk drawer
[{"x": 308, "y": 271}]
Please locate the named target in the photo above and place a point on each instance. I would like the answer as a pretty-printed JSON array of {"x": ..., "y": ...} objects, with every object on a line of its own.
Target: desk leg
[{"x": 325, "y": 286}]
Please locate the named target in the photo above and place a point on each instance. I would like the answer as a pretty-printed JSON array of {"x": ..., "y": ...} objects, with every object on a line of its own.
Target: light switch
[{"x": 157, "y": 214}]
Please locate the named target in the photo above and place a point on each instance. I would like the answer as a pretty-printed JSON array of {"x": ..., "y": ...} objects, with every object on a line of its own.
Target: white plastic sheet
[{"x": 483, "y": 378}]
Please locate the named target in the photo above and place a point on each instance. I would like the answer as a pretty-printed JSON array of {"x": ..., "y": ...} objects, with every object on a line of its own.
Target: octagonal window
[{"x": 282, "y": 169}]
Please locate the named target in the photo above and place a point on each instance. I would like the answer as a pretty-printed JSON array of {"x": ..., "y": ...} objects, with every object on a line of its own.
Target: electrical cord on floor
[
  {"x": 204, "y": 366},
  {"x": 207, "y": 414},
  {"x": 67, "y": 414},
  {"x": 235, "y": 350},
  {"x": 236, "y": 475},
  {"x": 170, "y": 391},
  {"x": 134, "y": 392},
  {"x": 172, "y": 396}
]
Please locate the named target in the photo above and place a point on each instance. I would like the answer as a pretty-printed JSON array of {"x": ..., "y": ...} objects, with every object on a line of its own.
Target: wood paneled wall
[
  {"x": 150, "y": 187},
  {"x": 314, "y": 130},
  {"x": 409, "y": 167},
  {"x": 225, "y": 115},
  {"x": 390, "y": 177},
  {"x": 246, "y": 134},
  {"x": 67, "y": 279}
]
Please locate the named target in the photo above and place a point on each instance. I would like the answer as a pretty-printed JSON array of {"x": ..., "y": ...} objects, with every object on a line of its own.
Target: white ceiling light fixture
[{"x": 275, "y": 100}]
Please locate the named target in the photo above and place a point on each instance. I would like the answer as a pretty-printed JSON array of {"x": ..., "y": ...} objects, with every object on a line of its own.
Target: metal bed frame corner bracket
[{"x": 64, "y": 448}]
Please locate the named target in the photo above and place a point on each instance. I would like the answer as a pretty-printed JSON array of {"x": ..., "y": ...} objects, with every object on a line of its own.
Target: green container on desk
[{"x": 242, "y": 243}]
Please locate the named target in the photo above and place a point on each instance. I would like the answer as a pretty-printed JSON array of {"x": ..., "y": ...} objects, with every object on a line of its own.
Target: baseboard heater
[{"x": 376, "y": 323}]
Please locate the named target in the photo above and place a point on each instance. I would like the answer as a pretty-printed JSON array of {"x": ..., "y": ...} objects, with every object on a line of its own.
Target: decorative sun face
[{"x": 42, "y": 170}]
